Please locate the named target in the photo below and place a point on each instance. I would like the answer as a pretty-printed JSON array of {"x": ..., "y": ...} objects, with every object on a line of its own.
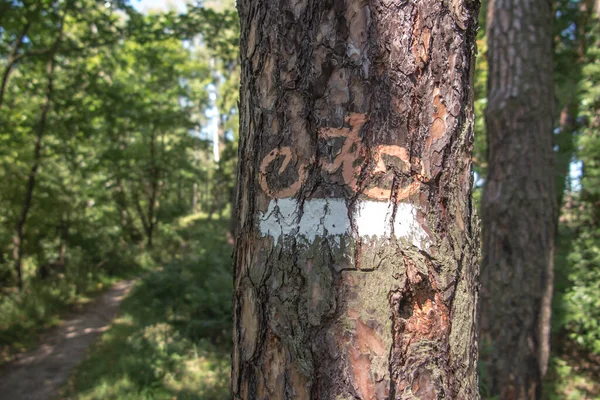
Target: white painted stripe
[{"x": 330, "y": 217}]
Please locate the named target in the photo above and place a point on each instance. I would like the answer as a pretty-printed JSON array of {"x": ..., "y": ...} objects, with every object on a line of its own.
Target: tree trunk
[
  {"x": 154, "y": 177},
  {"x": 356, "y": 256},
  {"x": 568, "y": 82},
  {"x": 12, "y": 59},
  {"x": 519, "y": 202},
  {"x": 195, "y": 187}
]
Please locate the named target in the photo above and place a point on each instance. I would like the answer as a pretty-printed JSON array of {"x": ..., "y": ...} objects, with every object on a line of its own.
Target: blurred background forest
[{"x": 118, "y": 146}]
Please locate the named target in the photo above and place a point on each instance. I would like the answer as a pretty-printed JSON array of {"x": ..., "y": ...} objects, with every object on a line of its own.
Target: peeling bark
[
  {"x": 356, "y": 254},
  {"x": 519, "y": 202}
]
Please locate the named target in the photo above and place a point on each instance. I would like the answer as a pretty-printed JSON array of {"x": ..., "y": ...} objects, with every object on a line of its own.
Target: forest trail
[{"x": 38, "y": 374}]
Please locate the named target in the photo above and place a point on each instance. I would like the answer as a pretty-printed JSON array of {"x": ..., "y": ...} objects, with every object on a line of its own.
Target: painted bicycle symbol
[{"x": 347, "y": 160}]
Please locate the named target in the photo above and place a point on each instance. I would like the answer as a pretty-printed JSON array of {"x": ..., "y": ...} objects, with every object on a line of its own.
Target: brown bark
[
  {"x": 197, "y": 166},
  {"x": 141, "y": 214},
  {"x": 154, "y": 177},
  {"x": 356, "y": 255},
  {"x": 152, "y": 191},
  {"x": 519, "y": 202}
]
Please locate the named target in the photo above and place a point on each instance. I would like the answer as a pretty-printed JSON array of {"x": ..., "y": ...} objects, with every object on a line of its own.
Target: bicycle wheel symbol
[{"x": 288, "y": 156}]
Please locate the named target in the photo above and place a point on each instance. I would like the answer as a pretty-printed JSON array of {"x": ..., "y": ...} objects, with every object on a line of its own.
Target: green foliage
[
  {"x": 576, "y": 305},
  {"x": 576, "y": 301},
  {"x": 480, "y": 104},
  {"x": 41, "y": 305},
  {"x": 580, "y": 299},
  {"x": 583, "y": 297},
  {"x": 99, "y": 110},
  {"x": 173, "y": 336},
  {"x": 565, "y": 381}
]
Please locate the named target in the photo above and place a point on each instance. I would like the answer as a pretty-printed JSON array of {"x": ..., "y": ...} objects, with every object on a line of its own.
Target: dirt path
[{"x": 39, "y": 373}]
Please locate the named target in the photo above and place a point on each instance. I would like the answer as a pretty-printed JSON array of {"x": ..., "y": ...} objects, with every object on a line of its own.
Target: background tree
[{"x": 519, "y": 204}]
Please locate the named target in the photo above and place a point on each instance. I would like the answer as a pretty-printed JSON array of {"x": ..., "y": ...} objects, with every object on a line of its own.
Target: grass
[
  {"x": 567, "y": 379},
  {"x": 172, "y": 337},
  {"x": 42, "y": 305}
]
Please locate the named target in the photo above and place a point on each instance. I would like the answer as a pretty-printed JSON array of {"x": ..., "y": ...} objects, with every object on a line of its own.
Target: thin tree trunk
[
  {"x": 153, "y": 189},
  {"x": 519, "y": 202},
  {"x": 140, "y": 211},
  {"x": 12, "y": 60},
  {"x": 123, "y": 204},
  {"x": 356, "y": 255},
  {"x": 180, "y": 202},
  {"x": 37, "y": 154},
  {"x": 195, "y": 197},
  {"x": 122, "y": 201},
  {"x": 197, "y": 165},
  {"x": 565, "y": 138},
  {"x": 64, "y": 239}
]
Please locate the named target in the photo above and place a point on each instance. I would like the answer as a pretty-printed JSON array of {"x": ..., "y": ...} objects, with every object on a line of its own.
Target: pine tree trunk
[
  {"x": 519, "y": 202},
  {"x": 356, "y": 256}
]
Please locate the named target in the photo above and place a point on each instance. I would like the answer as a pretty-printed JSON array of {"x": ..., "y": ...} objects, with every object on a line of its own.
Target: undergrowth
[
  {"x": 172, "y": 339},
  {"x": 44, "y": 302}
]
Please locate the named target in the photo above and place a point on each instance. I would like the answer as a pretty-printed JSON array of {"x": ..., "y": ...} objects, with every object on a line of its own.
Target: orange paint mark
[
  {"x": 408, "y": 191},
  {"x": 350, "y": 151},
  {"x": 380, "y": 167},
  {"x": 390, "y": 150},
  {"x": 347, "y": 161},
  {"x": 290, "y": 191}
]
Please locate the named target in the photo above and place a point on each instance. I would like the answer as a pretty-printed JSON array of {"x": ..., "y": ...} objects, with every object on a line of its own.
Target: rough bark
[
  {"x": 356, "y": 257},
  {"x": 519, "y": 202}
]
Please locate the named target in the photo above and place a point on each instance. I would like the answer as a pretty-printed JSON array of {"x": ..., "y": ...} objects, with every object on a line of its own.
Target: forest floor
[
  {"x": 172, "y": 336},
  {"x": 39, "y": 373}
]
